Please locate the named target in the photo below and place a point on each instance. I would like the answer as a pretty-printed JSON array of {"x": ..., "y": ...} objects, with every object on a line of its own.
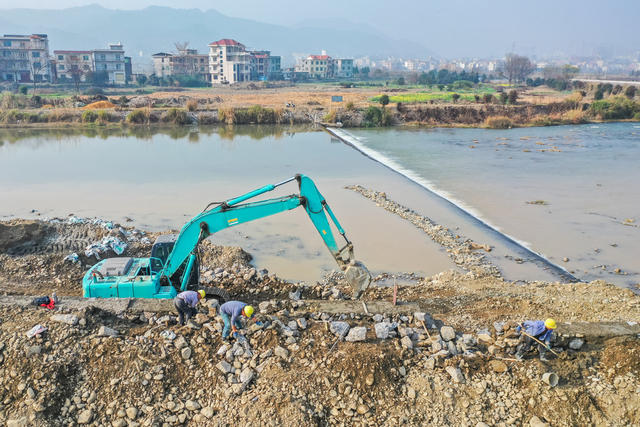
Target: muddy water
[
  {"x": 161, "y": 179},
  {"x": 570, "y": 193}
]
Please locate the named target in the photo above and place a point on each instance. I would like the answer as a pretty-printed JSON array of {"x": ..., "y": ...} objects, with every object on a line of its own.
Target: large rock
[
  {"x": 576, "y": 344},
  {"x": 359, "y": 333},
  {"x": 132, "y": 412},
  {"x": 224, "y": 367},
  {"x": 406, "y": 342},
  {"x": 105, "y": 331},
  {"x": 85, "y": 416},
  {"x": 180, "y": 342},
  {"x": 447, "y": 333},
  {"x": 246, "y": 375},
  {"x": 339, "y": 328},
  {"x": 18, "y": 422},
  {"x": 456, "y": 374},
  {"x": 192, "y": 405},
  {"x": 281, "y": 352},
  {"x": 186, "y": 353},
  {"x": 498, "y": 366},
  {"x": 69, "y": 319},
  {"x": 383, "y": 329}
]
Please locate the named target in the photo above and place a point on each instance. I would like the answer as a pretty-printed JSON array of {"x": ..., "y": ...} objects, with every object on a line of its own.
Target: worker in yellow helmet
[
  {"x": 533, "y": 330},
  {"x": 186, "y": 302},
  {"x": 232, "y": 312}
]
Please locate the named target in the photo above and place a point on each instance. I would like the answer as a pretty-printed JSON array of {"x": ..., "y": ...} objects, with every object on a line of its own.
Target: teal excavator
[{"x": 174, "y": 262}]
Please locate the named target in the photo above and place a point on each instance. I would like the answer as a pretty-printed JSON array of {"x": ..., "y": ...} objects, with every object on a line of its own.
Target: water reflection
[{"x": 191, "y": 133}]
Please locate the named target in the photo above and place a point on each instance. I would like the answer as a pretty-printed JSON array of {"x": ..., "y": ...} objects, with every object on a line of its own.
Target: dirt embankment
[{"x": 441, "y": 357}]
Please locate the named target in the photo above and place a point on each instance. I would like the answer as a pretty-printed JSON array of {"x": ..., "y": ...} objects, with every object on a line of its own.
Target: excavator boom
[{"x": 240, "y": 210}]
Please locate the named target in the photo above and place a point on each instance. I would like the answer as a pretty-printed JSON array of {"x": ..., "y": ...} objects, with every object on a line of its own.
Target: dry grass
[{"x": 100, "y": 105}]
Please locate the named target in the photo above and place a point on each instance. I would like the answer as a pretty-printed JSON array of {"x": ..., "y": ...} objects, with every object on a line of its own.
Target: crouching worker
[
  {"x": 541, "y": 331},
  {"x": 231, "y": 313},
  {"x": 186, "y": 303}
]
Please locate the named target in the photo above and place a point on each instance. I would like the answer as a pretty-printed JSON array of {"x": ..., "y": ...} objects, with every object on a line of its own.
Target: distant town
[{"x": 27, "y": 58}]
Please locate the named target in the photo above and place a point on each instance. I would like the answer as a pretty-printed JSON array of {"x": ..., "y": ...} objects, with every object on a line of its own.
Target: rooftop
[
  {"x": 226, "y": 42},
  {"x": 322, "y": 57}
]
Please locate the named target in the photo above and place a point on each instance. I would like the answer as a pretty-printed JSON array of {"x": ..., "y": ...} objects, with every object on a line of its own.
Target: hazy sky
[{"x": 454, "y": 27}]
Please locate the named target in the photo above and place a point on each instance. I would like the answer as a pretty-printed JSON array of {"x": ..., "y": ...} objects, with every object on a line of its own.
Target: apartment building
[
  {"x": 71, "y": 65},
  {"x": 187, "y": 62},
  {"x": 110, "y": 61},
  {"x": 24, "y": 58},
  {"x": 229, "y": 62},
  {"x": 325, "y": 67}
]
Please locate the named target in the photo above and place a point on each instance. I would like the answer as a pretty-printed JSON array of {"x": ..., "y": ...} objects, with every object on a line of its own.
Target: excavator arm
[{"x": 239, "y": 210}]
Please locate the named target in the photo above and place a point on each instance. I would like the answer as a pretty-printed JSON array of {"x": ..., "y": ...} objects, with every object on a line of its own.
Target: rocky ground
[{"x": 442, "y": 356}]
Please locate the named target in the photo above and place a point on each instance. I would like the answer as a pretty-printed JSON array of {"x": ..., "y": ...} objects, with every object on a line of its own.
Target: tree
[
  {"x": 487, "y": 98},
  {"x": 365, "y": 72},
  {"x": 517, "y": 68},
  {"x": 503, "y": 97},
  {"x": 141, "y": 79},
  {"x": 513, "y": 97},
  {"x": 455, "y": 97},
  {"x": 384, "y": 100},
  {"x": 630, "y": 92},
  {"x": 401, "y": 81},
  {"x": 98, "y": 78},
  {"x": 74, "y": 70},
  {"x": 36, "y": 68}
]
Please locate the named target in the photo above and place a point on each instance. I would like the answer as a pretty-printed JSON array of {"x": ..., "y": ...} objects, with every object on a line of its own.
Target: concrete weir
[{"x": 559, "y": 271}]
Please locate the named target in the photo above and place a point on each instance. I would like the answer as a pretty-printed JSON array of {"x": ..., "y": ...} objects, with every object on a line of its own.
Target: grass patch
[{"x": 428, "y": 96}]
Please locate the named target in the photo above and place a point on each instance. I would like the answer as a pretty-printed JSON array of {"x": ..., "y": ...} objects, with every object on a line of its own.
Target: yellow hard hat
[
  {"x": 550, "y": 324},
  {"x": 248, "y": 310},
  {"x": 202, "y": 293}
]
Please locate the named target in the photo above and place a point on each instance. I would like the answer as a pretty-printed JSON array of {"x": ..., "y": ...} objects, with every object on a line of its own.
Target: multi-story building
[
  {"x": 72, "y": 65},
  {"x": 110, "y": 61},
  {"x": 275, "y": 70},
  {"x": 24, "y": 58},
  {"x": 229, "y": 62},
  {"x": 187, "y": 62},
  {"x": 325, "y": 67}
]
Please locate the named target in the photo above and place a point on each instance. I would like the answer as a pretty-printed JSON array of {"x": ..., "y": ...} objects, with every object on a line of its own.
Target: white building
[
  {"x": 110, "y": 61},
  {"x": 229, "y": 62},
  {"x": 24, "y": 58}
]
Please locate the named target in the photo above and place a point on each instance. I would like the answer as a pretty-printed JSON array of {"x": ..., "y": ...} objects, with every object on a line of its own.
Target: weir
[{"x": 459, "y": 207}]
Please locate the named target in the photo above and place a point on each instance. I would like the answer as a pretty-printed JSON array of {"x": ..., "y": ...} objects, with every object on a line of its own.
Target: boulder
[
  {"x": 106, "y": 331},
  {"x": 498, "y": 366},
  {"x": 455, "y": 373},
  {"x": 85, "y": 416},
  {"x": 281, "y": 352},
  {"x": 406, "y": 342},
  {"x": 224, "y": 367},
  {"x": 69, "y": 319},
  {"x": 339, "y": 328},
  {"x": 576, "y": 344},
  {"x": 383, "y": 329},
  {"x": 358, "y": 333},
  {"x": 447, "y": 333}
]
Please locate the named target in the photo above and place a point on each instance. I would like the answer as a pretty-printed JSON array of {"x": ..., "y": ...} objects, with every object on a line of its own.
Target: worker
[
  {"x": 186, "y": 303},
  {"x": 541, "y": 331},
  {"x": 232, "y": 312}
]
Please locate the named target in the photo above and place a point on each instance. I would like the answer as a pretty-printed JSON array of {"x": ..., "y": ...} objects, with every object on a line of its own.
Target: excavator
[{"x": 174, "y": 264}]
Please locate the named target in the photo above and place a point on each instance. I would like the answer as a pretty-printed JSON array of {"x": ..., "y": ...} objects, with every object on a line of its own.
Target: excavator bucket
[{"x": 358, "y": 277}]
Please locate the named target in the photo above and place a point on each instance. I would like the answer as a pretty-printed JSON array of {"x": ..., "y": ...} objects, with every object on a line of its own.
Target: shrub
[
  {"x": 513, "y": 96},
  {"x": 630, "y": 92},
  {"x": 260, "y": 115},
  {"x": 462, "y": 84},
  {"x": 503, "y": 97},
  {"x": 104, "y": 117},
  {"x": 350, "y": 106},
  {"x": 616, "y": 90},
  {"x": 487, "y": 98},
  {"x": 176, "y": 116},
  {"x": 227, "y": 115},
  {"x": 455, "y": 97},
  {"x": 636, "y": 116},
  {"x": 372, "y": 116},
  {"x": 330, "y": 117},
  {"x": 387, "y": 118},
  {"x": 574, "y": 116},
  {"x": 598, "y": 95},
  {"x": 618, "y": 108},
  {"x": 477, "y": 98},
  {"x": 94, "y": 91},
  {"x": 138, "y": 116},
  {"x": 384, "y": 100},
  {"x": 89, "y": 116},
  {"x": 23, "y": 90},
  {"x": 499, "y": 122},
  {"x": 192, "y": 105}
]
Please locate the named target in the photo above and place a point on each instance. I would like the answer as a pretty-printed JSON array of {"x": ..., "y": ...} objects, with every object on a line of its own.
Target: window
[
  {"x": 103, "y": 57},
  {"x": 117, "y": 57},
  {"x": 35, "y": 54},
  {"x": 60, "y": 57},
  {"x": 118, "y": 66},
  {"x": 60, "y": 67},
  {"x": 85, "y": 57},
  {"x": 37, "y": 65},
  {"x": 7, "y": 43}
]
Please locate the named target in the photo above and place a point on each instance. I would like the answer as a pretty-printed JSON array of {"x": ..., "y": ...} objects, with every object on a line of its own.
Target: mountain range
[{"x": 155, "y": 29}]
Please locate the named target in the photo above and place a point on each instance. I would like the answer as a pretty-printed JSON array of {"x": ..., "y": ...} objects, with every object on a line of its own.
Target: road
[{"x": 613, "y": 82}]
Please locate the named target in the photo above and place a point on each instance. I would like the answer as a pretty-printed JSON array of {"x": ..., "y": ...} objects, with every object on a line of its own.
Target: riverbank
[
  {"x": 359, "y": 107},
  {"x": 442, "y": 356}
]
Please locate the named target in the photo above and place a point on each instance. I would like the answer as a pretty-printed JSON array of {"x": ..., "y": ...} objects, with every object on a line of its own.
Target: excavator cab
[{"x": 160, "y": 251}]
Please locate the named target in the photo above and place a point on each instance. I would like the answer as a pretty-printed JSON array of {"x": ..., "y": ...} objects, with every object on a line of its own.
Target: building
[
  {"x": 24, "y": 58},
  {"x": 71, "y": 65},
  {"x": 187, "y": 62},
  {"x": 325, "y": 67},
  {"x": 275, "y": 68},
  {"x": 229, "y": 62},
  {"x": 128, "y": 69},
  {"x": 111, "y": 62}
]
